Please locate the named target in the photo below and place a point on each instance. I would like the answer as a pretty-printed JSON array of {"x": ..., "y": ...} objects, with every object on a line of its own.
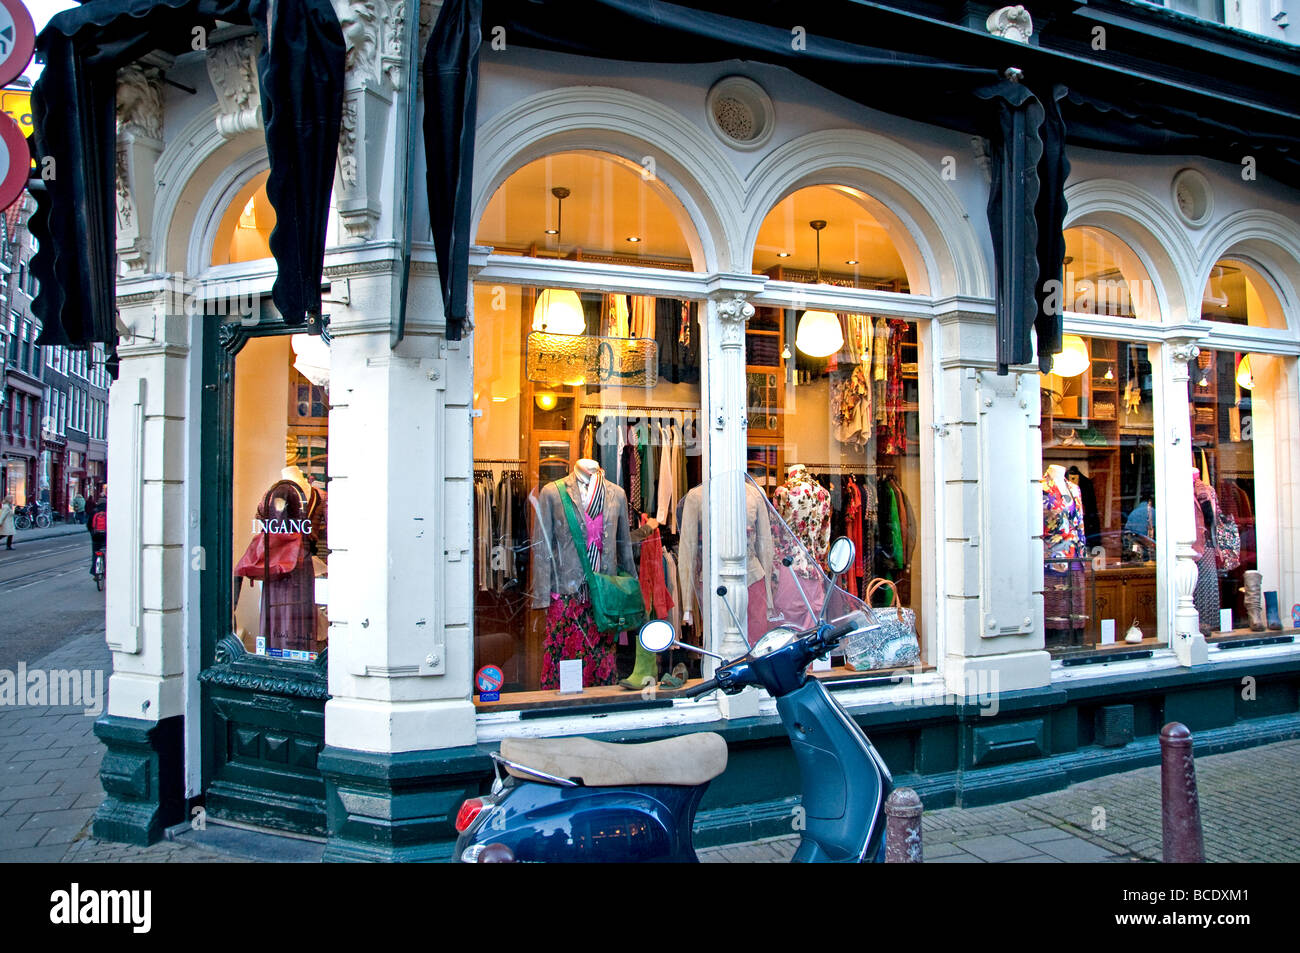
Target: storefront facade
[{"x": 1042, "y": 527}]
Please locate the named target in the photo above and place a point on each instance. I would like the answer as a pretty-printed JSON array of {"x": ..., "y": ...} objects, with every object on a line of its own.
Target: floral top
[
  {"x": 1063, "y": 532},
  {"x": 805, "y": 505}
]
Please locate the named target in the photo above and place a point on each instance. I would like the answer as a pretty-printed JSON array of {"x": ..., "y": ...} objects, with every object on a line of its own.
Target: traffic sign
[
  {"x": 17, "y": 105},
  {"x": 489, "y": 680},
  {"x": 17, "y": 40}
]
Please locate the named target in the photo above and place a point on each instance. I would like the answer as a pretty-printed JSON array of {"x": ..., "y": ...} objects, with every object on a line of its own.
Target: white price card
[
  {"x": 571, "y": 676},
  {"x": 1225, "y": 620},
  {"x": 1107, "y": 631},
  {"x": 821, "y": 664}
]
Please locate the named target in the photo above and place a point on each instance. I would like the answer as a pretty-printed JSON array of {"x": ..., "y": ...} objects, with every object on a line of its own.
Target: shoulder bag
[{"x": 616, "y": 601}]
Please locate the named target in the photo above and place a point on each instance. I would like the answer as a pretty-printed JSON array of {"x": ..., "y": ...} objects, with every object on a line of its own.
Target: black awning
[
  {"x": 73, "y": 104},
  {"x": 905, "y": 83}
]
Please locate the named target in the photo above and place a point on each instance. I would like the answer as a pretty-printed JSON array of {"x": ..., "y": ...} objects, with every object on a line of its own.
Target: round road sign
[{"x": 17, "y": 40}]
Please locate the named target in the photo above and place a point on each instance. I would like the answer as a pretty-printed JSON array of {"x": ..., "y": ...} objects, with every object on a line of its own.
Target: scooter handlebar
[{"x": 701, "y": 689}]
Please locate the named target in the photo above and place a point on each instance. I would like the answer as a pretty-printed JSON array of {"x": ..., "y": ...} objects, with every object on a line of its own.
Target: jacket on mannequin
[{"x": 557, "y": 567}]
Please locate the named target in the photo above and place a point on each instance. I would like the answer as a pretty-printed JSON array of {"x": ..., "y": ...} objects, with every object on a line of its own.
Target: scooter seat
[{"x": 688, "y": 759}]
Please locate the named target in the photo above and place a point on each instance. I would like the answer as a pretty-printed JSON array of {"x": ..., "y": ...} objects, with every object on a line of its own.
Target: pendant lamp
[
  {"x": 1245, "y": 377},
  {"x": 559, "y": 312},
  {"x": 819, "y": 333},
  {"x": 1073, "y": 359}
]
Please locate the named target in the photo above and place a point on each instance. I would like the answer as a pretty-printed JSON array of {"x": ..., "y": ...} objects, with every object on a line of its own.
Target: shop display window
[
  {"x": 834, "y": 415},
  {"x": 279, "y": 494},
  {"x": 1236, "y": 293},
  {"x": 1100, "y": 497},
  {"x": 244, "y": 233},
  {"x": 1102, "y": 275},
  {"x": 588, "y": 433},
  {"x": 1235, "y": 443}
]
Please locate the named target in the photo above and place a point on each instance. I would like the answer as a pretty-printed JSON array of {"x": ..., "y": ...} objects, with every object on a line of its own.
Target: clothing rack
[
  {"x": 830, "y": 468},
  {"x": 620, "y": 410},
  {"x": 499, "y": 460}
]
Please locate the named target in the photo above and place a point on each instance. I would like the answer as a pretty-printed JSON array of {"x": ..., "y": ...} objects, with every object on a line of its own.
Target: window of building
[
  {"x": 571, "y": 381},
  {"x": 1102, "y": 275},
  {"x": 1100, "y": 497},
  {"x": 1236, "y": 293},
  {"x": 244, "y": 232},
  {"x": 834, "y": 401},
  {"x": 278, "y": 502}
]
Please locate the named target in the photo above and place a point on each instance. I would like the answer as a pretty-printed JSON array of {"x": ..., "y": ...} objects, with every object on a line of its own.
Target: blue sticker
[
  {"x": 489, "y": 696},
  {"x": 489, "y": 680}
]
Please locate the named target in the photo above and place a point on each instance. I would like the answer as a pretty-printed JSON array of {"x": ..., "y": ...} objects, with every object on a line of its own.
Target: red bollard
[
  {"x": 1180, "y": 808},
  {"x": 903, "y": 827}
]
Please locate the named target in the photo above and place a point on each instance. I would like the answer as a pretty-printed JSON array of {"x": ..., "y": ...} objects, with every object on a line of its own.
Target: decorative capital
[
  {"x": 733, "y": 306},
  {"x": 232, "y": 69},
  {"x": 139, "y": 102},
  {"x": 1184, "y": 351}
]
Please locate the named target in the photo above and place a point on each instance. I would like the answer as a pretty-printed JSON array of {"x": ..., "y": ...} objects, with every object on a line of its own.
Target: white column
[
  {"x": 147, "y": 558},
  {"x": 1178, "y": 500},
  {"x": 728, "y": 311},
  {"x": 990, "y": 460},
  {"x": 401, "y": 650}
]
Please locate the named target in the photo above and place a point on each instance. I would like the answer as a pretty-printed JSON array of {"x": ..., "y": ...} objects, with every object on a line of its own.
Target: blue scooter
[{"x": 577, "y": 799}]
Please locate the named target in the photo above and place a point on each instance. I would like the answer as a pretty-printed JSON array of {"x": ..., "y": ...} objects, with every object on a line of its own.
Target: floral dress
[
  {"x": 805, "y": 505},
  {"x": 1064, "y": 583}
]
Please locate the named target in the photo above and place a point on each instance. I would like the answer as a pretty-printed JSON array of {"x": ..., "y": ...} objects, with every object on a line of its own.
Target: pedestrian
[
  {"x": 97, "y": 525},
  {"x": 7, "y": 521},
  {"x": 79, "y": 508}
]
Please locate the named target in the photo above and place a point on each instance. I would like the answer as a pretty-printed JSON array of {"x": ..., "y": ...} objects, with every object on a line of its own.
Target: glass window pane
[
  {"x": 279, "y": 502},
  {"x": 618, "y": 397},
  {"x": 1238, "y": 294},
  {"x": 1099, "y": 497},
  {"x": 1104, "y": 276}
]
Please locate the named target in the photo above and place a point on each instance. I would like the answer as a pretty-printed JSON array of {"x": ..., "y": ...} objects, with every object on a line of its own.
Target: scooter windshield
[{"x": 784, "y": 543}]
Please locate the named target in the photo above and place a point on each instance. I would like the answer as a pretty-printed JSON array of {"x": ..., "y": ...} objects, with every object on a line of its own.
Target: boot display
[
  {"x": 1254, "y": 596},
  {"x": 1271, "y": 611}
]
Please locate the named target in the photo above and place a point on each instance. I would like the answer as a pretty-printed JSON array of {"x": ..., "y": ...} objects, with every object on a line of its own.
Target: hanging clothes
[
  {"x": 806, "y": 508},
  {"x": 616, "y": 316},
  {"x": 1064, "y": 538},
  {"x": 893, "y": 429},
  {"x": 851, "y": 408},
  {"x": 642, "y": 316},
  {"x": 650, "y": 573}
]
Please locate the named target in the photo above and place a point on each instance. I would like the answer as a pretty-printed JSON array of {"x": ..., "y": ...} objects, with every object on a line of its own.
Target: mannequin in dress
[
  {"x": 1206, "y": 594},
  {"x": 559, "y": 582},
  {"x": 1064, "y": 598}
]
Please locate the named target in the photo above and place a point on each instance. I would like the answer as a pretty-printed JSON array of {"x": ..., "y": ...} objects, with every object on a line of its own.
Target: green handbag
[{"x": 616, "y": 601}]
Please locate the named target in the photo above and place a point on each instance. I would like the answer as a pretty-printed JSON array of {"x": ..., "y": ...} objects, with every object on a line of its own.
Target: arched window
[
  {"x": 1236, "y": 293},
  {"x": 244, "y": 233},
  {"x": 588, "y": 206},
  {"x": 857, "y": 240},
  {"x": 1104, "y": 276}
]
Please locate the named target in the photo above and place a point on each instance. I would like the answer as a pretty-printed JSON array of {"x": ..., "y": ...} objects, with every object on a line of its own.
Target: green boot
[{"x": 645, "y": 672}]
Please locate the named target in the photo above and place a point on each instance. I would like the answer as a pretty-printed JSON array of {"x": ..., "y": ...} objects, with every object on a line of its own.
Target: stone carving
[
  {"x": 734, "y": 309},
  {"x": 232, "y": 68},
  {"x": 139, "y": 102},
  {"x": 374, "y": 31},
  {"x": 1011, "y": 23},
  {"x": 348, "y": 145},
  {"x": 124, "y": 209},
  {"x": 139, "y": 113},
  {"x": 1184, "y": 351}
]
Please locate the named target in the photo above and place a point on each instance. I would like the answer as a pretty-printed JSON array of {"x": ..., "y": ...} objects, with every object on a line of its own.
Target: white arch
[
  {"x": 1150, "y": 229},
  {"x": 1265, "y": 239},
  {"x": 691, "y": 166},
  {"x": 935, "y": 230}
]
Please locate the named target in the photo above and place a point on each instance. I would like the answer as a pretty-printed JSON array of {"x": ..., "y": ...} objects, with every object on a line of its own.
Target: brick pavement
[
  {"x": 1250, "y": 812},
  {"x": 1250, "y": 805}
]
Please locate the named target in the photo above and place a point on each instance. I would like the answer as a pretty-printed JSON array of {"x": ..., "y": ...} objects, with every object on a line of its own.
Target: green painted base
[
  {"x": 143, "y": 773},
  {"x": 397, "y": 807}
]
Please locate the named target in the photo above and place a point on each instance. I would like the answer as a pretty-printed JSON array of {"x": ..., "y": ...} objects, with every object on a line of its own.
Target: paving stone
[
  {"x": 48, "y": 854},
  {"x": 1040, "y": 834},
  {"x": 62, "y": 835},
  {"x": 1074, "y": 850},
  {"x": 59, "y": 818},
  {"x": 998, "y": 847}
]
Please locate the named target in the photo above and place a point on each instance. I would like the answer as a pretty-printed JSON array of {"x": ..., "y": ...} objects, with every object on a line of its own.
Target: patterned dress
[
  {"x": 805, "y": 505},
  {"x": 570, "y": 627},
  {"x": 1064, "y": 583}
]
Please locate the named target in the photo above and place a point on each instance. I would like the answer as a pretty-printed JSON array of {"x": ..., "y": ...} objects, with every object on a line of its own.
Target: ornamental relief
[
  {"x": 232, "y": 69},
  {"x": 373, "y": 31}
]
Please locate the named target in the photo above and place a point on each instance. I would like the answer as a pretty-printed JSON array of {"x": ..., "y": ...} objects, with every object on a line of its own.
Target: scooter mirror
[
  {"x": 657, "y": 635},
  {"x": 841, "y": 555}
]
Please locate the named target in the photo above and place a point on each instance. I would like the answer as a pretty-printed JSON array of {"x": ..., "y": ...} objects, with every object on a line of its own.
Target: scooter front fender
[{"x": 552, "y": 824}]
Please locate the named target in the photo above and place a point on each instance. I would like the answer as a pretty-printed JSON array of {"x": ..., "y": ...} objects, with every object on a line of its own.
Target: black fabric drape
[
  {"x": 73, "y": 103},
  {"x": 450, "y": 115}
]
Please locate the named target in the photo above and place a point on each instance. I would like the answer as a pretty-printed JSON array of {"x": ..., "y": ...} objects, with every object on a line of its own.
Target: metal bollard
[
  {"x": 1180, "y": 807},
  {"x": 903, "y": 827}
]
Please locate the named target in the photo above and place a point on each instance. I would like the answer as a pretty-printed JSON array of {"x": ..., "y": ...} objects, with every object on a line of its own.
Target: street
[{"x": 36, "y": 577}]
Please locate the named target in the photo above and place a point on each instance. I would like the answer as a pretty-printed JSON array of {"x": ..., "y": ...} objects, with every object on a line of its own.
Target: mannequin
[
  {"x": 1206, "y": 594},
  {"x": 804, "y": 505},
  {"x": 559, "y": 583},
  {"x": 1064, "y": 583},
  {"x": 760, "y": 558}
]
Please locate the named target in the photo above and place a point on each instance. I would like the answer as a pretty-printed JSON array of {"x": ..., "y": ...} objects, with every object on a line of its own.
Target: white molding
[
  {"x": 212, "y": 207},
  {"x": 939, "y": 231}
]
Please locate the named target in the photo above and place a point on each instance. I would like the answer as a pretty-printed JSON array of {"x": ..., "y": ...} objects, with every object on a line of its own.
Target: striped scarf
[{"x": 596, "y": 507}]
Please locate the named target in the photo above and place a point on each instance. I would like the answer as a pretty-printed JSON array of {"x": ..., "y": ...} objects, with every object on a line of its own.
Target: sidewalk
[
  {"x": 58, "y": 529},
  {"x": 1250, "y": 806}
]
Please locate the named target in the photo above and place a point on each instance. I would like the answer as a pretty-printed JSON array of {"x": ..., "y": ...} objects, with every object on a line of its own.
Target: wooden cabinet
[{"x": 1125, "y": 594}]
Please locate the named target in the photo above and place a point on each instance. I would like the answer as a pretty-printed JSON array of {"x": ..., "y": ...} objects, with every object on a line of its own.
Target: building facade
[
  {"x": 688, "y": 272},
  {"x": 21, "y": 410}
]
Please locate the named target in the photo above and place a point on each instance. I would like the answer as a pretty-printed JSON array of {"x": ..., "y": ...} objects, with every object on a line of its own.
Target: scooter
[{"x": 577, "y": 799}]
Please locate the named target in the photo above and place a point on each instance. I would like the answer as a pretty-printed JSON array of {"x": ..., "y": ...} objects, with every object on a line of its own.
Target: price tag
[
  {"x": 1107, "y": 631},
  {"x": 1225, "y": 620},
  {"x": 571, "y": 676}
]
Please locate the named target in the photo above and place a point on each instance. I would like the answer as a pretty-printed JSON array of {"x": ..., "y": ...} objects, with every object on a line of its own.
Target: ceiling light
[
  {"x": 559, "y": 312},
  {"x": 783, "y": 254},
  {"x": 545, "y": 400},
  {"x": 633, "y": 238},
  {"x": 560, "y": 193},
  {"x": 552, "y": 231},
  {"x": 1073, "y": 359},
  {"x": 851, "y": 261}
]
